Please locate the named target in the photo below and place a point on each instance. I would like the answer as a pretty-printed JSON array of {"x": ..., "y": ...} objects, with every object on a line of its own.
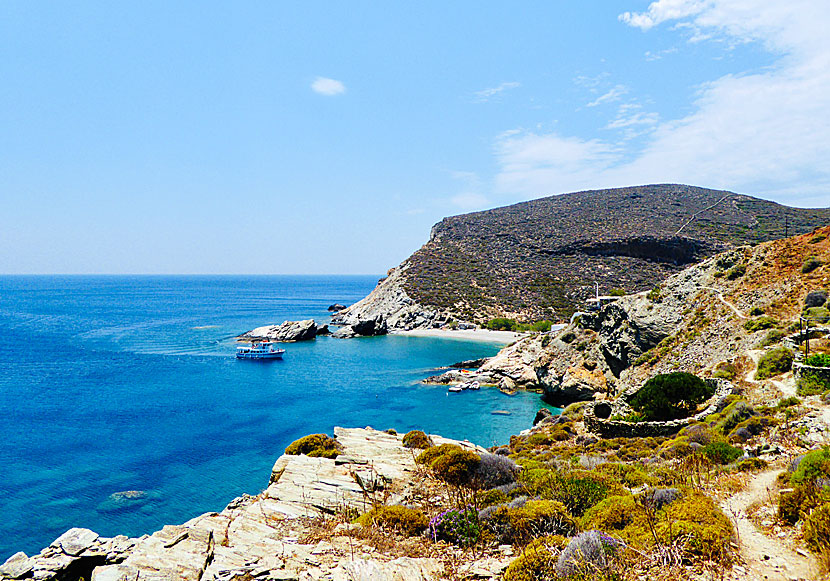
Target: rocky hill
[
  {"x": 708, "y": 317},
  {"x": 539, "y": 259}
]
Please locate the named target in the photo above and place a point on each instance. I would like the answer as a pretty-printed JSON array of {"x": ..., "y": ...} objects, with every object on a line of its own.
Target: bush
[
  {"x": 814, "y": 465},
  {"x": 778, "y": 360},
  {"x": 534, "y": 518},
  {"x": 427, "y": 456},
  {"x": 810, "y": 265},
  {"x": 721, "y": 452},
  {"x": 654, "y": 295},
  {"x": 617, "y": 292},
  {"x": 615, "y": 513},
  {"x": 456, "y": 467},
  {"x": 736, "y": 271},
  {"x": 750, "y": 464},
  {"x": 409, "y": 521},
  {"x": 759, "y": 323},
  {"x": 811, "y": 385},
  {"x": 725, "y": 370},
  {"x": 756, "y": 312},
  {"x": 537, "y": 562},
  {"x": 786, "y": 402},
  {"x": 417, "y": 439},
  {"x": 459, "y": 527},
  {"x": 772, "y": 337},
  {"x": 817, "y": 238},
  {"x": 501, "y": 324},
  {"x": 494, "y": 470},
  {"x": 697, "y": 516},
  {"x": 671, "y": 395},
  {"x": 314, "y": 445},
  {"x": 817, "y": 529},
  {"x": 578, "y": 490},
  {"x": 819, "y": 360},
  {"x": 819, "y": 314},
  {"x": 589, "y": 553}
]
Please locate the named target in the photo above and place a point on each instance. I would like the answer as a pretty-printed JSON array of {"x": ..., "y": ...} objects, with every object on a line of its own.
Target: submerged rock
[{"x": 336, "y": 307}]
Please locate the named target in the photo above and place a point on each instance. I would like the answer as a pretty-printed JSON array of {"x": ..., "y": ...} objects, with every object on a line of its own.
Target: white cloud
[
  {"x": 486, "y": 94},
  {"x": 615, "y": 94},
  {"x": 327, "y": 87},
  {"x": 765, "y": 133}
]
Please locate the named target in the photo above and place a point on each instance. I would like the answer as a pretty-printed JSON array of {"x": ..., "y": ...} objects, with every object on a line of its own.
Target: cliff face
[{"x": 540, "y": 259}]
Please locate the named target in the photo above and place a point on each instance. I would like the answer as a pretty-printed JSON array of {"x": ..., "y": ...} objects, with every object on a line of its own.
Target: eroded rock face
[
  {"x": 387, "y": 307},
  {"x": 289, "y": 331}
]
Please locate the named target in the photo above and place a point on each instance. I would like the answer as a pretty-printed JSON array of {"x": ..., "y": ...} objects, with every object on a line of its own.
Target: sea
[{"x": 123, "y": 407}]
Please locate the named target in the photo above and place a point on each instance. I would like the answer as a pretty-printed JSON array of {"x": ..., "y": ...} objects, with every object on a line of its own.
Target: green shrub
[
  {"x": 750, "y": 464},
  {"x": 534, "y": 518},
  {"x": 537, "y": 561},
  {"x": 725, "y": 370},
  {"x": 671, "y": 395},
  {"x": 456, "y": 467},
  {"x": 417, "y": 439},
  {"x": 786, "y": 402},
  {"x": 812, "y": 385},
  {"x": 501, "y": 324},
  {"x": 810, "y": 265},
  {"x": 800, "y": 501},
  {"x": 772, "y": 337},
  {"x": 708, "y": 529},
  {"x": 819, "y": 360},
  {"x": 617, "y": 292},
  {"x": 778, "y": 360},
  {"x": 756, "y": 311},
  {"x": 817, "y": 529},
  {"x": 616, "y": 514},
  {"x": 408, "y": 521},
  {"x": 736, "y": 271},
  {"x": 314, "y": 445},
  {"x": 459, "y": 527},
  {"x": 427, "y": 456},
  {"x": 654, "y": 295},
  {"x": 759, "y": 323},
  {"x": 721, "y": 452},
  {"x": 631, "y": 475},
  {"x": 578, "y": 490},
  {"x": 819, "y": 314},
  {"x": 813, "y": 465}
]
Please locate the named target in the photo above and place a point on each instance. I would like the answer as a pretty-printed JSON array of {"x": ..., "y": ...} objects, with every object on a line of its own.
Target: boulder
[
  {"x": 288, "y": 331},
  {"x": 542, "y": 414},
  {"x": 75, "y": 541},
  {"x": 370, "y": 327},
  {"x": 576, "y": 384},
  {"x": 815, "y": 298},
  {"x": 323, "y": 330},
  {"x": 345, "y": 332},
  {"x": 336, "y": 307},
  {"x": 16, "y": 566}
]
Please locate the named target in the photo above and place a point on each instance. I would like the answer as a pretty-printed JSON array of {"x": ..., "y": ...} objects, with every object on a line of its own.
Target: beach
[{"x": 484, "y": 335}]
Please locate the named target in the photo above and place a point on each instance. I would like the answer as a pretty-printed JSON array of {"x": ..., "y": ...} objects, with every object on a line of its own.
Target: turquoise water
[{"x": 109, "y": 384}]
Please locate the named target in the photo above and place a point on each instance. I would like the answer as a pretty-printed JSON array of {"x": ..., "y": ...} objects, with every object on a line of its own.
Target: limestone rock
[
  {"x": 288, "y": 331},
  {"x": 336, "y": 307},
  {"x": 16, "y": 566},
  {"x": 75, "y": 541},
  {"x": 401, "y": 569}
]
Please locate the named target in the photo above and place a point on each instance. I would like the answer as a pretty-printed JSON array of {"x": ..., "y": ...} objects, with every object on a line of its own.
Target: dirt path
[
  {"x": 764, "y": 557},
  {"x": 724, "y": 301}
]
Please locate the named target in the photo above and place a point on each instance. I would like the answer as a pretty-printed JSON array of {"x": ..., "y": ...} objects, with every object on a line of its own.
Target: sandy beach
[{"x": 484, "y": 335}]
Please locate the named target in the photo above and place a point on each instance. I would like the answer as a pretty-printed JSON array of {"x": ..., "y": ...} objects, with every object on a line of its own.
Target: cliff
[{"x": 540, "y": 259}]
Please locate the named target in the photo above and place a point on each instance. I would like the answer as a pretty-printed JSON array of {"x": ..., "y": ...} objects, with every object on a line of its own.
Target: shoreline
[{"x": 482, "y": 335}]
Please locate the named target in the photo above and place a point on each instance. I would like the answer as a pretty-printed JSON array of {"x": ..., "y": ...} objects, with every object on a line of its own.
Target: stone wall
[
  {"x": 596, "y": 415},
  {"x": 800, "y": 369}
]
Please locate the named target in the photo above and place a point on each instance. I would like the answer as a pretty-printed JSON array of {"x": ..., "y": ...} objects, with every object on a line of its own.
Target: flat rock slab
[
  {"x": 16, "y": 566},
  {"x": 76, "y": 541}
]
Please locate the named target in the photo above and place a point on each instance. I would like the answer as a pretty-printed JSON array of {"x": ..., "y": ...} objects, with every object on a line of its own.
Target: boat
[
  {"x": 473, "y": 385},
  {"x": 259, "y": 350}
]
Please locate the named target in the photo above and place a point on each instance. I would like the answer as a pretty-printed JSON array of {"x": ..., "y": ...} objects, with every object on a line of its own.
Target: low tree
[{"x": 669, "y": 396}]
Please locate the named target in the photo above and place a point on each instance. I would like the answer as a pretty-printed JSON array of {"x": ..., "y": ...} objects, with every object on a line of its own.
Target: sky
[{"x": 328, "y": 137}]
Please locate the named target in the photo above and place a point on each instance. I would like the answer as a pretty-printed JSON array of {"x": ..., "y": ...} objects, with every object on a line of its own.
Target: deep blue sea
[{"x": 117, "y": 383}]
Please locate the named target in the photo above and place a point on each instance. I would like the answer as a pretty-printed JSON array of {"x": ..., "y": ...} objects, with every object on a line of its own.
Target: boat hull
[{"x": 275, "y": 355}]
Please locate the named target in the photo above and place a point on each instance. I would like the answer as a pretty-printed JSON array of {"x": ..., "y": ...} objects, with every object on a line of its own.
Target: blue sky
[{"x": 311, "y": 137}]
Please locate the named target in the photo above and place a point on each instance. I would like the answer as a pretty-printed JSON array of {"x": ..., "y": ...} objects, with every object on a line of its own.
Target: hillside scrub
[
  {"x": 408, "y": 521},
  {"x": 670, "y": 396},
  {"x": 760, "y": 323},
  {"x": 417, "y": 439},
  {"x": 819, "y": 360},
  {"x": 810, "y": 265},
  {"x": 774, "y": 362},
  {"x": 314, "y": 445}
]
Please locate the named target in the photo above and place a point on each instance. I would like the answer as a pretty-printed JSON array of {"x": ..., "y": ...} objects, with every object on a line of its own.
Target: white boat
[
  {"x": 474, "y": 385},
  {"x": 259, "y": 350}
]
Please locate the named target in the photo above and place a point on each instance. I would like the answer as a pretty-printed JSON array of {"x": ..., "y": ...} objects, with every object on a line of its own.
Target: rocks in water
[
  {"x": 289, "y": 331},
  {"x": 470, "y": 363},
  {"x": 323, "y": 330},
  {"x": 336, "y": 307},
  {"x": 126, "y": 500},
  {"x": 365, "y": 328}
]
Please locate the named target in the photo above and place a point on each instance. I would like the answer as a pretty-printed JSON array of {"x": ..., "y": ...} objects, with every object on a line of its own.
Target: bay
[{"x": 113, "y": 384}]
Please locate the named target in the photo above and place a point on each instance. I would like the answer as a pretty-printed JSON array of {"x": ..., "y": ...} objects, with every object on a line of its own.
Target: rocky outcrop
[
  {"x": 259, "y": 537},
  {"x": 289, "y": 331},
  {"x": 336, "y": 307},
  {"x": 387, "y": 307}
]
